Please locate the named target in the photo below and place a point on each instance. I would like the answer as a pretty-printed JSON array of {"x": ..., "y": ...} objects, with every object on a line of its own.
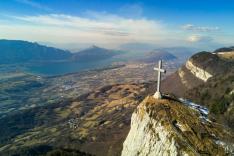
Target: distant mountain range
[
  {"x": 17, "y": 51},
  {"x": 182, "y": 53},
  {"x": 155, "y": 55}
]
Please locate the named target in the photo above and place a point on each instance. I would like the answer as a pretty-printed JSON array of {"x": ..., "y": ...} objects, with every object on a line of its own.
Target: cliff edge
[
  {"x": 171, "y": 127},
  {"x": 199, "y": 69}
]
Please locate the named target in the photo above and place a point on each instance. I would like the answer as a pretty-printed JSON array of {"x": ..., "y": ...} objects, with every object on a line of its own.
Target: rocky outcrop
[
  {"x": 210, "y": 63},
  {"x": 198, "y": 72},
  {"x": 180, "y": 81},
  {"x": 199, "y": 69},
  {"x": 168, "y": 127}
]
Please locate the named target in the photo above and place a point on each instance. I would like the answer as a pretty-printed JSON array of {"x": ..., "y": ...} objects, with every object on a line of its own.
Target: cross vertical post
[
  {"x": 157, "y": 94},
  {"x": 159, "y": 75}
]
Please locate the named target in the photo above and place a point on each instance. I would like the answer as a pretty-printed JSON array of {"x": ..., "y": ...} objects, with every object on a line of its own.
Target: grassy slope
[{"x": 200, "y": 136}]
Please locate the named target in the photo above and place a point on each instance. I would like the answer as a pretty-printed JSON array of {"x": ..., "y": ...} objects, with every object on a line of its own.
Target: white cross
[{"x": 157, "y": 94}]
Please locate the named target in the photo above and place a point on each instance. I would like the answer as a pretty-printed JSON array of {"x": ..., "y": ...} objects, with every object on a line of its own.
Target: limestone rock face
[
  {"x": 198, "y": 72},
  {"x": 142, "y": 139},
  {"x": 170, "y": 128}
]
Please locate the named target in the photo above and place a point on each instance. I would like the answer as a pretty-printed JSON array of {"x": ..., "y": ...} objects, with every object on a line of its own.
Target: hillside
[
  {"x": 17, "y": 51},
  {"x": 196, "y": 71},
  {"x": 218, "y": 95},
  {"x": 224, "y": 49},
  {"x": 206, "y": 78},
  {"x": 170, "y": 128}
]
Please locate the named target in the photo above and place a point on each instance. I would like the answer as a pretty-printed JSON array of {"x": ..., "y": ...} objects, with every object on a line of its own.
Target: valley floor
[{"x": 89, "y": 111}]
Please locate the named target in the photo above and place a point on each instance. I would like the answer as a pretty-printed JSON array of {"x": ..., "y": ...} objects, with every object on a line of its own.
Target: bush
[{"x": 219, "y": 107}]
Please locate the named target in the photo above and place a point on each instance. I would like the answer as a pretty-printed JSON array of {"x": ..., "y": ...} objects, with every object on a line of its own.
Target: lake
[{"x": 60, "y": 68}]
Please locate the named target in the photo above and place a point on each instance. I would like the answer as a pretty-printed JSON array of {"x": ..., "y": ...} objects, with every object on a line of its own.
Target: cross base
[{"x": 157, "y": 95}]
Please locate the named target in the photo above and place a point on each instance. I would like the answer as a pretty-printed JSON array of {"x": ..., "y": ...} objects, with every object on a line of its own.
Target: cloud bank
[
  {"x": 99, "y": 28},
  {"x": 192, "y": 27},
  {"x": 199, "y": 38}
]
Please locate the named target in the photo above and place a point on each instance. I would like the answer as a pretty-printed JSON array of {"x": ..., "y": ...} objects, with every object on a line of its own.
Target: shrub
[{"x": 220, "y": 106}]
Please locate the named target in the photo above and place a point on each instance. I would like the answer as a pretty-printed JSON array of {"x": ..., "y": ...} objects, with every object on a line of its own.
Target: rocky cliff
[
  {"x": 170, "y": 127},
  {"x": 196, "y": 71},
  {"x": 207, "y": 78},
  {"x": 200, "y": 73}
]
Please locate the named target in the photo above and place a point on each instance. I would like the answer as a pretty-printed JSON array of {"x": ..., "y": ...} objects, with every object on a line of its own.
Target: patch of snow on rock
[
  {"x": 229, "y": 148},
  {"x": 201, "y": 109}
]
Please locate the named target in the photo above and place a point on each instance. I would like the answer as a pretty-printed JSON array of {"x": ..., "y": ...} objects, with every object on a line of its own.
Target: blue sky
[{"x": 76, "y": 23}]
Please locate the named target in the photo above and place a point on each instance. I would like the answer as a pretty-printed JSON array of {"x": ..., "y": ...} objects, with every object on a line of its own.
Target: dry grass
[
  {"x": 198, "y": 134},
  {"x": 227, "y": 55}
]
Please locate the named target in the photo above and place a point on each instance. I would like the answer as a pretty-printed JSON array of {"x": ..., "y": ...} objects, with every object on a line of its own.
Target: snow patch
[
  {"x": 201, "y": 109},
  {"x": 228, "y": 147},
  {"x": 232, "y": 92},
  {"x": 218, "y": 142}
]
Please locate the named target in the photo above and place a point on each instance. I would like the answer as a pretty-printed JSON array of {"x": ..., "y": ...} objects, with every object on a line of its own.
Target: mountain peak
[
  {"x": 170, "y": 127},
  {"x": 94, "y": 46},
  {"x": 94, "y": 53},
  {"x": 155, "y": 55},
  {"x": 18, "y": 51}
]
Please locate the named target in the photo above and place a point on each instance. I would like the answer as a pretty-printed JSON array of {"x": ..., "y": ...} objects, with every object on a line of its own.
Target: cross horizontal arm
[{"x": 161, "y": 70}]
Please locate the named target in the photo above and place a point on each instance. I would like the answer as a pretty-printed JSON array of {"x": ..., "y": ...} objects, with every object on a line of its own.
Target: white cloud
[
  {"x": 199, "y": 38},
  {"x": 192, "y": 27},
  {"x": 98, "y": 28}
]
